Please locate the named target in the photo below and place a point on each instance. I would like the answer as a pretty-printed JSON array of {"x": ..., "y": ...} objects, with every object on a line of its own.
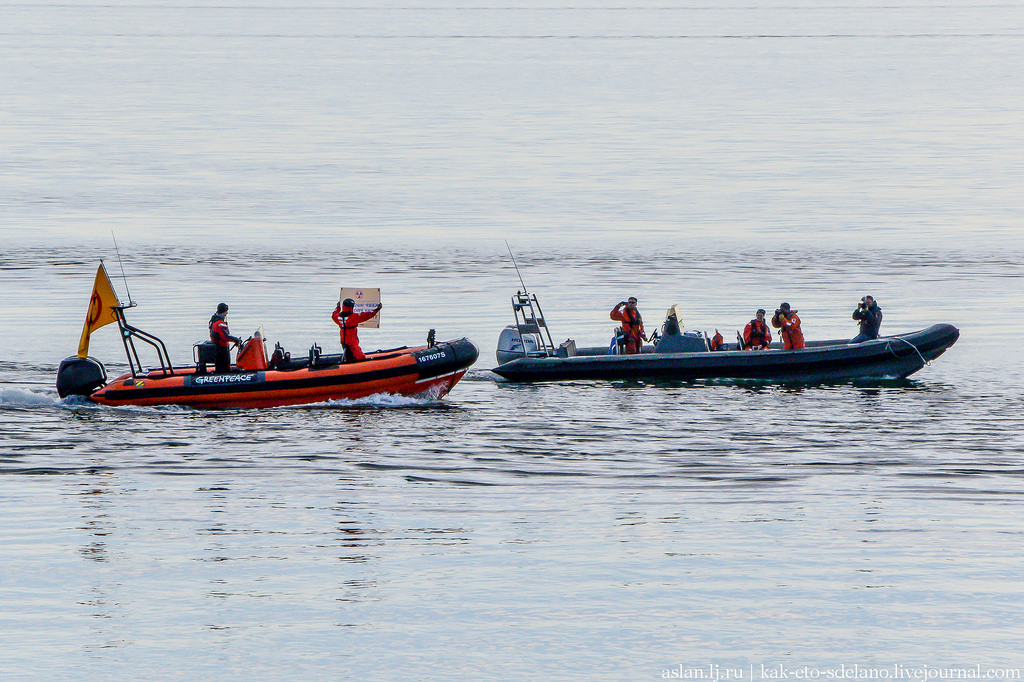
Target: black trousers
[{"x": 223, "y": 363}]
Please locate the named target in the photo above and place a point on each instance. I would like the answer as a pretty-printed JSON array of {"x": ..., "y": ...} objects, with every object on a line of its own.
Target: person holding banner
[{"x": 349, "y": 321}]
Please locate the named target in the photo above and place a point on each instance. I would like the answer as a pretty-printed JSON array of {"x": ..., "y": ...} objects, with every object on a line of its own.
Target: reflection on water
[{"x": 596, "y": 513}]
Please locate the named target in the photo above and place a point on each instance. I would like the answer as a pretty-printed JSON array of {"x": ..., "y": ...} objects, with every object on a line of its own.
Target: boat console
[{"x": 673, "y": 338}]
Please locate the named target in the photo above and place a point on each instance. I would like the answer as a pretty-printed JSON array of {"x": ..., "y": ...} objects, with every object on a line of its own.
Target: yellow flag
[{"x": 101, "y": 307}]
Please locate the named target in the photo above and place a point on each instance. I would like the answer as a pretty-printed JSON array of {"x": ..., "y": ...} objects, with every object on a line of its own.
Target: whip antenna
[
  {"x": 116, "y": 250},
  {"x": 516, "y": 266}
]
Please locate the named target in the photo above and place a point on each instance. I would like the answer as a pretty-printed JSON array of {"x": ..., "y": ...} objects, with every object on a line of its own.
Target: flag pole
[{"x": 131, "y": 303}]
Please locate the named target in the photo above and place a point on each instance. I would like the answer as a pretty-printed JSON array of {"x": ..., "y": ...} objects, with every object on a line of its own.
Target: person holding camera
[
  {"x": 870, "y": 317},
  {"x": 632, "y": 325},
  {"x": 756, "y": 335},
  {"x": 786, "y": 320}
]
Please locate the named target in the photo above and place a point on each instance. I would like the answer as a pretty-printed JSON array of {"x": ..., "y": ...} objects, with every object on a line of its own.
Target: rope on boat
[{"x": 888, "y": 345}]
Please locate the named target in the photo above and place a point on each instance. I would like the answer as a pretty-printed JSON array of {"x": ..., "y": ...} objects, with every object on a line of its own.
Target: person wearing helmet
[
  {"x": 786, "y": 319},
  {"x": 222, "y": 338},
  {"x": 632, "y": 325},
  {"x": 349, "y": 321},
  {"x": 757, "y": 335}
]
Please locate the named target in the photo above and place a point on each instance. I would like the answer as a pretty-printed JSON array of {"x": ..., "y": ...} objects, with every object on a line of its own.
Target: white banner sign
[{"x": 366, "y": 300}]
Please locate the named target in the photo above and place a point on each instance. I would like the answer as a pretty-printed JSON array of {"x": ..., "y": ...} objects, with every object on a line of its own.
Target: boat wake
[
  {"x": 28, "y": 398},
  {"x": 21, "y": 397},
  {"x": 427, "y": 398}
]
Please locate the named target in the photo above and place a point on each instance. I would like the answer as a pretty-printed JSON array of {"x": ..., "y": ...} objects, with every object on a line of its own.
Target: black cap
[
  {"x": 785, "y": 306},
  {"x": 760, "y": 310},
  {"x": 222, "y": 308},
  {"x": 348, "y": 303}
]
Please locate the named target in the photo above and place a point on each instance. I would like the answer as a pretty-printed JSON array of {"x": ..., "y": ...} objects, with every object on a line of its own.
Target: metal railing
[
  {"x": 530, "y": 320},
  {"x": 128, "y": 336}
]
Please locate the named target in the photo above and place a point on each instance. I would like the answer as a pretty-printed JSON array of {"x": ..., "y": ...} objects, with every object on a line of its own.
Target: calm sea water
[{"x": 722, "y": 156}]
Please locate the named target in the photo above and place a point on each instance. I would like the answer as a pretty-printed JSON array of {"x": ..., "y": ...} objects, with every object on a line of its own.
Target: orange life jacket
[
  {"x": 792, "y": 334},
  {"x": 632, "y": 321},
  {"x": 757, "y": 335}
]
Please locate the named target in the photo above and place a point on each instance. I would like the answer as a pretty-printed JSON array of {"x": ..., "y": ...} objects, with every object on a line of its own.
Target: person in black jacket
[{"x": 870, "y": 317}]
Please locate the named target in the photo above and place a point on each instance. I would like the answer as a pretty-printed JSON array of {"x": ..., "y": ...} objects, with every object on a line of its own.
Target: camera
[{"x": 778, "y": 311}]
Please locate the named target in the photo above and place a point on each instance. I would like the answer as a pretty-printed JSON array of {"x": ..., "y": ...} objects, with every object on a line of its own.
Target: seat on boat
[
  {"x": 290, "y": 364},
  {"x": 330, "y": 360},
  {"x": 318, "y": 360}
]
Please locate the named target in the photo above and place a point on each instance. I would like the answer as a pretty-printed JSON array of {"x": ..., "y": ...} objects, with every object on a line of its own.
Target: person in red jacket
[
  {"x": 756, "y": 335},
  {"x": 349, "y": 321},
  {"x": 786, "y": 319},
  {"x": 632, "y": 325},
  {"x": 221, "y": 337}
]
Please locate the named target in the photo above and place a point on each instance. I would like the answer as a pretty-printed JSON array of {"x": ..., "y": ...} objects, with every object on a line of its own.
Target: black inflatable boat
[{"x": 526, "y": 354}]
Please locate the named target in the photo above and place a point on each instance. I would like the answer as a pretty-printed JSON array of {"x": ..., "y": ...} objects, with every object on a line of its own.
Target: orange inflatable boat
[
  {"x": 429, "y": 371},
  {"x": 255, "y": 380}
]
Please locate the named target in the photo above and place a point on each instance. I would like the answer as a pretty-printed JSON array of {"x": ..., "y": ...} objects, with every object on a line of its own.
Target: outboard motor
[
  {"x": 80, "y": 376},
  {"x": 510, "y": 347}
]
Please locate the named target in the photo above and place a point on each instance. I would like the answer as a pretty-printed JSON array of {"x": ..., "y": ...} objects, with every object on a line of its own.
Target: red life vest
[{"x": 219, "y": 332}]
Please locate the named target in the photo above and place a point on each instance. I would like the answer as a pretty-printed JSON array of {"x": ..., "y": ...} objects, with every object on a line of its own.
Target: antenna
[
  {"x": 516, "y": 266},
  {"x": 118, "y": 251}
]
